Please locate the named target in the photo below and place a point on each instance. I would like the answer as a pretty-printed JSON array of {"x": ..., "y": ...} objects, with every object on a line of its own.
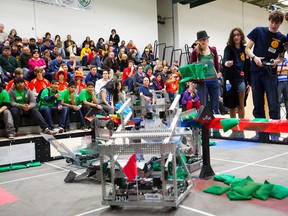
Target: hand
[
  {"x": 99, "y": 107},
  {"x": 258, "y": 61},
  {"x": 229, "y": 63},
  {"x": 75, "y": 107},
  {"x": 57, "y": 95},
  {"x": 59, "y": 107},
  {"x": 248, "y": 89},
  {"x": 25, "y": 107},
  {"x": 8, "y": 74}
]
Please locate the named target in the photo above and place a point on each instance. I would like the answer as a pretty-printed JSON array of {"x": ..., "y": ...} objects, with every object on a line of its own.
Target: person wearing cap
[
  {"x": 68, "y": 98},
  {"x": 93, "y": 76},
  {"x": 61, "y": 76},
  {"x": 50, "y": 104},
  {"x": 39, "y": 83},
  {"x": 87, "y": 99},
  {"x": 23, "y": 103},
  {"x": 8, "y": 63},
  {"x": 5, "y": 113},
  {"x": 203, "y": 53},
  {"x": 267, "y": 44},
  {"x": 78, "y": 77},
  {"x": 34, "y": 62},
  {"x": 18, "y": 73}
]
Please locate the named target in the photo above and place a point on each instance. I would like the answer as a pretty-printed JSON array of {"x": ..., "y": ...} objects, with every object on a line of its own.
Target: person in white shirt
[{"x": 101, "y": 82}]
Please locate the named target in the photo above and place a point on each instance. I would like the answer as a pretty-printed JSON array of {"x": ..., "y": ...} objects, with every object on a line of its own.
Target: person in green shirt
[
  {"x": 87, "y": 98},
  {"x": 50, "y": 104},
  {"x": 8, "y": 63},
  {"x": 68, "y": 98},
  {"x": 5, "y": 112},
  {"x": 23, "y": 103}
]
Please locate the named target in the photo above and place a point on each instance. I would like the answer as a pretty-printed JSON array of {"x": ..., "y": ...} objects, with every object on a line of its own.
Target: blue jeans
[
  {"x": 129, "y": 82},
  {"x": 47, "y": 114},
  {"x": 261, "y": 82},
  {"x": 211, "y": 88},
  {"x": 82, "y": 120}
]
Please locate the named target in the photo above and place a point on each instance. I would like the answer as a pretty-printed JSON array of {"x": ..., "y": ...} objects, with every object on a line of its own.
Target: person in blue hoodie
[{"x": 93, "y": 76}]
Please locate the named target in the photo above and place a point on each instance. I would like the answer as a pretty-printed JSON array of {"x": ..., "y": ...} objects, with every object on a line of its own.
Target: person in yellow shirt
[{"x": 85, "y": 50}]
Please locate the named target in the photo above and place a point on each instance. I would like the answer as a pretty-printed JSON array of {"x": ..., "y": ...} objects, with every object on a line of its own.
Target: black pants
[
  {"x": 85, "y": 109},
  {"x": 17, "y": 113}
]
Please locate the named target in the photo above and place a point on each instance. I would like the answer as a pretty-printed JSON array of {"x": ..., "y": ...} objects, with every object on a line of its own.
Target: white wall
[
  {"x": 218, "y": 18},
  {"x": 132, "y": 19}
]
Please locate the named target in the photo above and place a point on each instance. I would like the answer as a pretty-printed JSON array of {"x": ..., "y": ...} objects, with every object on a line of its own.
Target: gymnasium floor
[{"x": 41, "y": 190}]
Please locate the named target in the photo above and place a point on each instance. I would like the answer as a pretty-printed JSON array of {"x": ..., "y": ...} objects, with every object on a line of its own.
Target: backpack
[{"x": 38, "y": 98}]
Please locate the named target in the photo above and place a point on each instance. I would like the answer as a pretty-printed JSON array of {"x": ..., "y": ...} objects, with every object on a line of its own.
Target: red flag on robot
[{"x": 130, "y": 169}]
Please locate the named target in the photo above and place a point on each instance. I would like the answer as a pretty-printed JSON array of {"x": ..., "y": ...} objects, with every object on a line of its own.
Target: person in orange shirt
[
  {"x": 39, "y": 82},
  {"x": 172, "y": 85},
  {"x": 61, "y": 76},
  {"x": 78, "y": 77},
  {"x": 18, "y": 72}
]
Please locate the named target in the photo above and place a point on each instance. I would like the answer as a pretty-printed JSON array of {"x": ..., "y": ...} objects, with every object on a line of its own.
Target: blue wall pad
[{"x": 231, "y": 144}]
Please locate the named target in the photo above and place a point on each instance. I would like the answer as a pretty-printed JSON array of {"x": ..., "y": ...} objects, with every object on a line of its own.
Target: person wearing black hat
[
  {"x": 208, "y": 55},
  {"x": 68, "y": 98},
  {"x": 8, "y": 63},
  {"x": 23, "y": 103}
]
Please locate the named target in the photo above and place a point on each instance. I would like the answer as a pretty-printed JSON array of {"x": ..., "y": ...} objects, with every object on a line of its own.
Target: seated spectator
[
  {"x": 190, "y": 98},
  {"x": 78, "y": 77},
  {"x": 100, "y": 44},
  {"x": 50, "y": 104},
  {"x": 23, "y": 103},
  {"x": 123, "y": 62},
  {"x": 85, "y": 50},
  {"x": 92, "y": 44},
  {"x": 165, "y": 63},
  {"x": 8, "y": 63},
  {"x": 105, "y": 98},
  {"x": 24, "y": 59},
  {"x": 70, "y": 46},
  {"x": 5, "y": 113},
  {"x": 47, "y": 58},
  {"x": 34, "y": 62},
  {"x": 87, "y": 40},
  {"x": 39, "y": 82},
  {"x": 39, "y": 43},
  {"x": 123, "y": 46},
  {"x": 13, "y": 32},
  {"x": 48, "y": 37},
  {"x": 87, "y": 98},
  {"x": 15, "y": 51},
  {"x": 148, "y": 56},
  {"x": 18, "y": 73},
  {"x": 68, "y": 98},
  {"x": 72, "y": 63},
  {"x": 104, "y": 51},
  {"x": 127, "y": 76},
  {"x": 131, "y": 46},
  {"x": 157, "y": 82},
  {"x": 111, "y": 65},
  {"x": 93, "y": 76},
  {"x": 54, "y": 52},
  {"x": 32, "y": 44},
  {"x": 135, "y": 57},
  {"x": 138, "y": 78},
  {"x": 54, "y": 67},
  {"x": 58, "y": 43},
  {"x": 164, "y": 73},
  {"x": 172, "y": 85},
  {"x": 146, "y": 92},
  {"x": 101, "y": 82},
  {"x": 92, "y": 59},
  {"x": 145, "y": 64},
  {"x": 46, "y": 45},
  {"x": 61, "y": 76}
]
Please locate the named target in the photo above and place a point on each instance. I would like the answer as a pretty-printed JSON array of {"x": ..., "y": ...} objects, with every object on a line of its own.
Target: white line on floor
[
  {"x": 195, "y": 210},
  {"x": 31, "y": 177},
  {"x": 92, "y": 211},
  {"x": 49, "y": 164}
]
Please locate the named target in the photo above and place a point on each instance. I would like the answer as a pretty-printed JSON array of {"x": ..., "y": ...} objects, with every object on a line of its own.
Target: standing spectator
[
  {"x": 3, "y": 35},
  {"x": 5, "y": 113},
  {"x": 18, "y": 73},
  {"x": 34, "y": 62},
  {"x": 93, "y": 76},
  {"x": 267, "y": 43},
  {"x": 8, "y": 63},
  {"x": 209, "y": 56},
  {"x": 236, "y": 72},
  {"x": 101, "y": 82},
  {"x": 50, "y": 104},
  {"x": 114, "y": 38},
  {"x": 23, "y": 103}
]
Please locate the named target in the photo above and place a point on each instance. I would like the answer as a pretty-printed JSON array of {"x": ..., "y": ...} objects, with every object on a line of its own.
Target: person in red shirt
[
  {"x": 39, "y": 82},
  {"x": 61, "y": 76},
  {"x": 127, "y": 76},
  {"x": 18, "y": 72}
]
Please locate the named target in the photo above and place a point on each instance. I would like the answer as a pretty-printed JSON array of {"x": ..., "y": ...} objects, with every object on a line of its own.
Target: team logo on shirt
[
  {"x": 275, "y": 43},
  {"x": 242, "y": 56}
]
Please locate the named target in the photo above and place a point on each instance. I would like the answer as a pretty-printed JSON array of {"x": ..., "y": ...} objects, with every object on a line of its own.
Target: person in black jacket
[
  {"x": 236, "y": 67},
  {"x": 115, "y": 38}
]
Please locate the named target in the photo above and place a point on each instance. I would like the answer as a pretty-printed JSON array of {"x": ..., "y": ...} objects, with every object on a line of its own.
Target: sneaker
[
  {"x": 60, "y": 130},
  {"x": 48, "y": 131},
  {"x": 11, "y": 136}
]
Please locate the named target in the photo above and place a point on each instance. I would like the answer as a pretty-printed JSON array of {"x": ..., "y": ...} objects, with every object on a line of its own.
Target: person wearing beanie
[{"x": 23, "y": 103}]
